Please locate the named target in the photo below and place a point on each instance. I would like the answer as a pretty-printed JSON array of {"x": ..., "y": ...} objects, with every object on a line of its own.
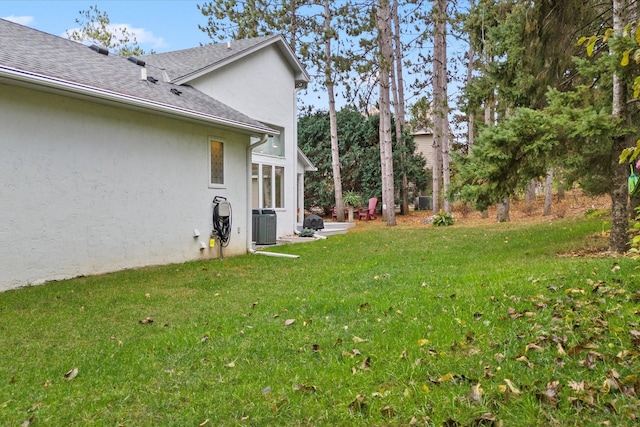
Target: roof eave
[
  {"x": 308, "y": 165},
  {"x": 123, "y": 100},
  {"x": 302, "y": 78}
]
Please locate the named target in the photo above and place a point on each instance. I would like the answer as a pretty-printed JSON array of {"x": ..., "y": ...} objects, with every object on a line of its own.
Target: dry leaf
[
  {"x": 366, "y": 364},
  {"x": 305, "y": 388},
  {"x": 358, "y": 339},
  {"x": 577, "y": 386},
  {"x": 550, "y": 395},
  {"x": 512, "y": 389},
  {"x": 388, "y": 412},
  {"x": 230, "y": 365},
  {"x": 204, "y": 423},
  {"x": 359, "y": 404},
  {"x": 561, "y": 351},
  {"x": 28, "y": 421},
  {"x": 487, "y": 419},
  {"x": 289, "y": 322},
  {"x": 405, "y": 354},
  {"x": 71, "y": 374},
  {"x": 534, "y": 347},
  {"x": 146, "y": 321},
  {"x": 476, "y": 394},
  {"x": 347, "y": 354}
]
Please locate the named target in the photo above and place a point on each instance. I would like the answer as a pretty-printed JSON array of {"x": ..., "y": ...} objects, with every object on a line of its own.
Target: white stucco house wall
[{"x": 107, "y": 163}]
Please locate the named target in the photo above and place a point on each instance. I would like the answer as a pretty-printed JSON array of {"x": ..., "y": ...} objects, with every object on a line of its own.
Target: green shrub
[
  {"x": 596, "y": 213},
  {"x": 307, "y": 232},
  {"x": 351, "y": 198},
  {"x": 442, "y": 219}
]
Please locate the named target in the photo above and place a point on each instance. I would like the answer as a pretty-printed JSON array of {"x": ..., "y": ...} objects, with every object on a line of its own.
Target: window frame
[
  {"x": 275, "y": 190},
  {"x": 211, "y": 140}
]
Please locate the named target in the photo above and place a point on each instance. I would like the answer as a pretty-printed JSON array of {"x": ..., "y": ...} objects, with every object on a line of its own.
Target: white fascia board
[{"x": 127, "y": 101}]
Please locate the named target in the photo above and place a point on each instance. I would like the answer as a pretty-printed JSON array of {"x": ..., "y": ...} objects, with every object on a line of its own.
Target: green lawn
[{"x": 391, "y": 326}]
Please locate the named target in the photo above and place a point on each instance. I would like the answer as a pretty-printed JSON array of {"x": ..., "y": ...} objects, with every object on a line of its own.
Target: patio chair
[
  {"x": 334, "y": 215},
  {"x": 370, "y": 212}
]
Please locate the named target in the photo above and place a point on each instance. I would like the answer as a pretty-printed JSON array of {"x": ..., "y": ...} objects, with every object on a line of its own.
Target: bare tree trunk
[
  {"x": 471, "y": 118},
  {"x": 619, "y": 216},
  {"x": 560, "y": 183},
  {"x": 397, "y": 84},
  {"x": 530, "y": 195},
  {"x": 488, "y": 120},
  {"x": 440, "y": 146},
  {"x": 333, "y": 121},
  {"x": 548, "y": 193},
  {"x": 383, "y": 23},
  {"x": 503, "y": 211}
]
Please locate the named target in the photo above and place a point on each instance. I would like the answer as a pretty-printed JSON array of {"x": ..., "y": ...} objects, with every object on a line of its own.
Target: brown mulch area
[{"x": 575, "y": 204}]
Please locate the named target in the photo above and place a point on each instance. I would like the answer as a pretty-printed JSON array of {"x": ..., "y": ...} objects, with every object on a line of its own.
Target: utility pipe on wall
[{"x": 249, "y": 227}]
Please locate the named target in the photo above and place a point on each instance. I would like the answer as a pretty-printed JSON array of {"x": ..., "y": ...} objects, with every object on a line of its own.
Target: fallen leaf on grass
[
  {"x": 366, "y": 364},
  {"x": 487, "y": 419},
  {"x": 71, "y": 374},
  {"x": 549, "y": 395},
  {"x": 146, "y": 321},
  {"x": 577, "y": 386},
  {"x": 359, "y": 404},
  {"x": 388, "y": 412},
  {"x": 28, "y": 421},
  {"x": 305, "y": 388},
  {"x": 612, "y": 382},
  {"x": 358, "y": 339},
  {"x": 476, "y": 394},
  {"x": 511, "y": 389},
  {"x": 289, "y": 322},
  {"x": 230, "y": 365},
  {"x": 204, "y": 423},
  {"x": 534, "y": 347}
]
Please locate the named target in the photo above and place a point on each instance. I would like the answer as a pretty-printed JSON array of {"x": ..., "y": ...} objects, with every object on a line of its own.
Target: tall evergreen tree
[
  {"x": 383, "y": 24},
  {"x": 95, "y": 26}
]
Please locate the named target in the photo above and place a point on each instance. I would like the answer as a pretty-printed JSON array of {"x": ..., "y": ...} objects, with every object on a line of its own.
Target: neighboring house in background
[
  {"x": 108, "y": 163},
  {"x": 423, "y": 139}
]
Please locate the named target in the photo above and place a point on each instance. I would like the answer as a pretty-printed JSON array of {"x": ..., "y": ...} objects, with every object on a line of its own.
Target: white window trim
[
  {"x": 210, "y": 139},
  {"x": 273, "y": 167}
]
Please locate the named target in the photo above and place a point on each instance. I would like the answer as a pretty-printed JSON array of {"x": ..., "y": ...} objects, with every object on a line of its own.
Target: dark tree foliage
[{"x": 359, "y": 157}]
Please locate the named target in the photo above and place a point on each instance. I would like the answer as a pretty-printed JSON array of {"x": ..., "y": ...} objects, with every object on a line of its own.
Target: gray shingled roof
[
  {"x": 30, "y": 52},
  {"x": 182, "y": 65}
]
